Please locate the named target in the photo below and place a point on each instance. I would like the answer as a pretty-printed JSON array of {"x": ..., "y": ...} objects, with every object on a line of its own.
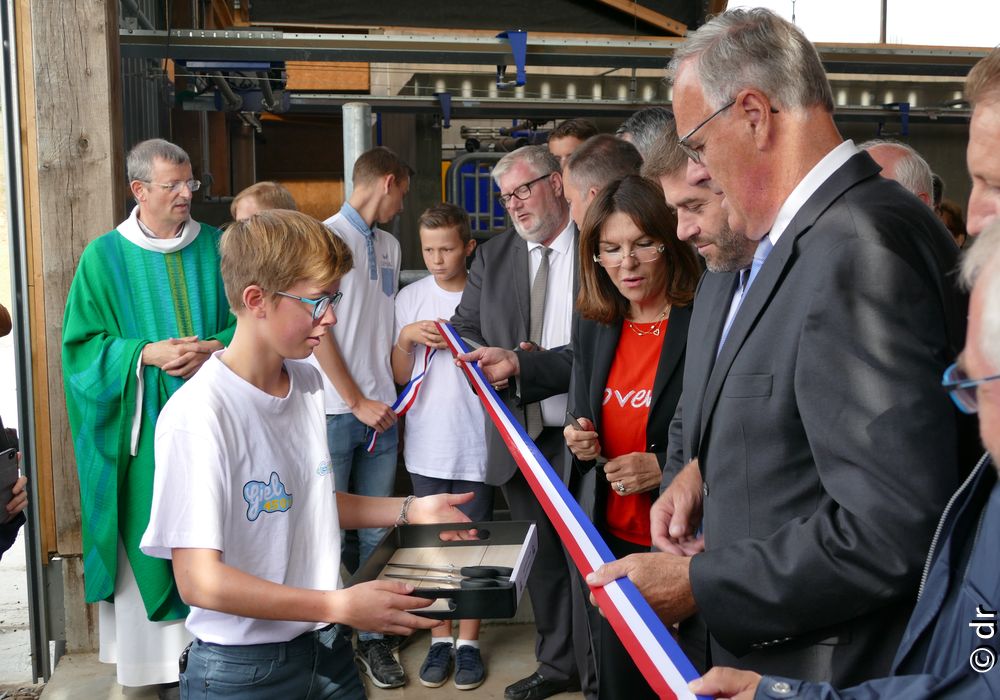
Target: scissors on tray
[
  {"x": 473, "y": 582},
  {"x": 470, "y": 571}
]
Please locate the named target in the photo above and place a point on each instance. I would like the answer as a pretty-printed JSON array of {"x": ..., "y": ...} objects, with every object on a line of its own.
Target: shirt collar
[
  {"x": 808, "y": 185},
  {"x": 354, "y": 218},
  {"x": 562, "y": 243}
]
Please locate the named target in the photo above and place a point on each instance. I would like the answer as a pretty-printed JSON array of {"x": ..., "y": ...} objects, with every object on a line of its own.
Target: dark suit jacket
[
  {"x": 494, "y": 311},
  {"x": 826, "y": 444},
  {"x": 594, "y": 346}
]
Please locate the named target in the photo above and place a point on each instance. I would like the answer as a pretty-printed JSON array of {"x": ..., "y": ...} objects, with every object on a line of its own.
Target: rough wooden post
[{"x": 74, "y": 187}]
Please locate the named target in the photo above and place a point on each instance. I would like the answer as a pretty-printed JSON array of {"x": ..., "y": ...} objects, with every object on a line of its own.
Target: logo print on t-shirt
[
  {"x": 325, "y": 467},
  {"x": 266, "y": 498}
]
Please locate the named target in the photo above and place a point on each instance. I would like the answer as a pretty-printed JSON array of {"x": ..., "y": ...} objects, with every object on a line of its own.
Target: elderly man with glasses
[
  {"x": 950, "y": 648},
  {"x": 819, "y": 447},
  {"x": 519, "y": 295},
  {"x": 145, "y": 311}
]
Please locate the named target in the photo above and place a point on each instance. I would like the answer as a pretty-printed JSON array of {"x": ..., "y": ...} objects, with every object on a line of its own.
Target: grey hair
[
  {"x": 139, "y": 162},
  {"x": 600, "y": 160},
  {"x": 755, "y": 48},
  {"x": 912, "y": 171},
  {"x": 984, "y": 256},
  {"x": 537, "y": 158},
  {"x": 645, "y": 127}
]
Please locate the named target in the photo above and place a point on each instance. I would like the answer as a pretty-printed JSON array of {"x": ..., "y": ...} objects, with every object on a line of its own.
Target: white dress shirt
[{"x": 558, "y": 318}]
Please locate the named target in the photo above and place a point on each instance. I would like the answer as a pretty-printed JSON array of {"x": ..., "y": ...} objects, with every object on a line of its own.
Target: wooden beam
[
  {"x": 716, "y": 7},
  {"x": 76, "y": 188},
  {"x": 36, "y": 286},
  {"x": 647, "y": 15}
]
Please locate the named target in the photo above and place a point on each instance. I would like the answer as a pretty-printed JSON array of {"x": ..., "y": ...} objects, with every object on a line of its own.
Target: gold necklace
[{"x": 657, "y": 324}]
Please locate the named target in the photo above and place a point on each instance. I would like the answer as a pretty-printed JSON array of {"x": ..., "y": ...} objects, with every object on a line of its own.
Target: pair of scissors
[
  {"x": 468, "y": 571},
  {"x": 466, "y": 583}
]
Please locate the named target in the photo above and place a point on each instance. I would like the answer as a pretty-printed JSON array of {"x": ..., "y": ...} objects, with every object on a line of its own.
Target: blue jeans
[
  {"x": 314, "y": 666},
  {"x": 355, "y": 470}
]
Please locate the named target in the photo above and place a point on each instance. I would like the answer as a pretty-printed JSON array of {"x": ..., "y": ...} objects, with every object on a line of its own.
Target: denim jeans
[
  {"x": 357, "y": 471},
  {"x": 314, "y": 666}
]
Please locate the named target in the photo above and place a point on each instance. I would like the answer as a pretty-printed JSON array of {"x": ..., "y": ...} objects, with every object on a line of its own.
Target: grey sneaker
[
  {"x": 437, "y": 666},
  {"x": 469, "y": 670},
  {"x": 377, "y": 662}
]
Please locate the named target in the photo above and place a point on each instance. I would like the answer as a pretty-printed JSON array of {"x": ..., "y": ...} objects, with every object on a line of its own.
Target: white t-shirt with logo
[
  {"x": 247, "y": 474},
  {"x": 364, "y": 316},
  {"x": 444, "y": 429}
]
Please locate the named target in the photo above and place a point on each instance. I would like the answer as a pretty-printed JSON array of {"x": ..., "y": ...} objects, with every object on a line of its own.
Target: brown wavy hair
[{"x": 642, "y": 201}]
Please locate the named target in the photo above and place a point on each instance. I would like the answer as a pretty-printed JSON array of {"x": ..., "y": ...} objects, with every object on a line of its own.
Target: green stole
[{"x": 122, "y": 298}]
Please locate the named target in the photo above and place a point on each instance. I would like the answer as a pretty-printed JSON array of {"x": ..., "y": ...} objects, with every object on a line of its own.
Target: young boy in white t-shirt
[
  {"x": 444, "y": 440},
  {"x": 243, "y": 499}
]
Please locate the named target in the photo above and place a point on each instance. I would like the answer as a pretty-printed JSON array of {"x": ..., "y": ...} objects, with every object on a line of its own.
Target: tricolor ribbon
[
  {"x": 408, "y": 395},
  {"x": 662, "y": 663}
]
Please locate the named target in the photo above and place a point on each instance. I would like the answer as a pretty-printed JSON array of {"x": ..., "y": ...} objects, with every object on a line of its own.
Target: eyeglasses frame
[
  {"x": 660, "y": 247},
  {"x": 682, "y": 142},
  {"x": 175, "y": 188},
  {"x": 331, "y": 299},
  {"x": 954, "y": 387},
  {"x": 505, "y": 198}
]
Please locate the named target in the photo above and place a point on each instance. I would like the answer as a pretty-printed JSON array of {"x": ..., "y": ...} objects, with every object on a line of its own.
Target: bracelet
[
  {"x": 402, "y": 519},
  {"x": 401, "y": 348}
]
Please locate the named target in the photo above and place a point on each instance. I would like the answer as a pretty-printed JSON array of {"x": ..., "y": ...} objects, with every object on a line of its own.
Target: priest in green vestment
[{"x": 146, "y": 308}]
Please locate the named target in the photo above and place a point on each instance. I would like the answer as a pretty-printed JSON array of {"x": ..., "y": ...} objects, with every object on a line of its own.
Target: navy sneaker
[
  {"x": 437, "y": 666},
  {"x": 469, "y": 670}
]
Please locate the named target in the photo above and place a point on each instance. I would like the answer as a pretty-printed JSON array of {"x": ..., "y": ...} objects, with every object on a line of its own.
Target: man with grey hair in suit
[
  {"x": 519, "y": 295},
  {"x": 902, "y": 163},
  {"x": 819, "y": 449}
]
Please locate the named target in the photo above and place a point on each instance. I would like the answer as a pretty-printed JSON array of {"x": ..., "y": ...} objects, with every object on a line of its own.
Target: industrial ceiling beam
[
  {"x": 547, "y": 51},
  {"x": 472, "y": 108}
]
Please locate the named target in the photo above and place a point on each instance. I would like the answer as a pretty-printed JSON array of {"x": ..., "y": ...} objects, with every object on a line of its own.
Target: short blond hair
[
  {"x": 983, "y": 81},
  {"x": 276, "y": 248},
  {"x": 268, "y": 194}
]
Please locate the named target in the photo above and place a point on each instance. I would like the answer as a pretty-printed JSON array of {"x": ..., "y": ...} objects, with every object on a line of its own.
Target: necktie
[
  {"x": 370, "y": 241},
  {"x": 536, "y": 316},
  {"x": 747, "y": 276}
]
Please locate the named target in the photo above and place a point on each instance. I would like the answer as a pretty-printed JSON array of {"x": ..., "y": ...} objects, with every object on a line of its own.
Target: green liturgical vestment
[{"x": 125, "y": 295}]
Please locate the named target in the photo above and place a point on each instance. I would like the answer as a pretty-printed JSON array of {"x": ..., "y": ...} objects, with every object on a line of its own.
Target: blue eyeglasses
[
  {"x": 319, "y": 306},
  {"x": 962, "y": 389}
]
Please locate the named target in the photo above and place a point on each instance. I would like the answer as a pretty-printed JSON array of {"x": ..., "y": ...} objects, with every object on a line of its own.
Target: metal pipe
[
  {"x": 882, "y": 22},
  {"x": 357, "y": 138},
  {"x": 38, "y": 613},
  {"x": 233, "y": 101},
  {"x": 265, "y": 88},
  {"x": 144, "y": 22}
]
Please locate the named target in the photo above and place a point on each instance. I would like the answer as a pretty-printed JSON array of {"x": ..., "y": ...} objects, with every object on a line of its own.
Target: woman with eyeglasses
[{"x": 637, "y": 283}]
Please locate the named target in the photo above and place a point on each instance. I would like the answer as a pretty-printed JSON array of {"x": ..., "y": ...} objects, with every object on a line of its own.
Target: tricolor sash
[
  {"x": 661, "y": 661},
  {"x": 408, "y": 395}
]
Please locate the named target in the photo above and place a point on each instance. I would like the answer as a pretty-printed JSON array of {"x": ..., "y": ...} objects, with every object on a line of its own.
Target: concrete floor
[{"x": 508, "y": 652}]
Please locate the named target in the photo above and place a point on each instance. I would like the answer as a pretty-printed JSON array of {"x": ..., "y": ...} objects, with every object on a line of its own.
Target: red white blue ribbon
[
  {"x": 662, "y": 663},
  {"x": 408, "y": 395}
]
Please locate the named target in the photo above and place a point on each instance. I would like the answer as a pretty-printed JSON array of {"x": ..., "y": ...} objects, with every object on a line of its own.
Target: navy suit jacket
[{"x": 826, "y": 444}]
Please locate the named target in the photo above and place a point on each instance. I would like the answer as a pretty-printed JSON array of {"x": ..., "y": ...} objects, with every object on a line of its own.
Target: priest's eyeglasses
[
  {"x": 319, "y": 306},
  {"x": 176, "y": 187},
  {"x": 962, "y": 389},
  {"x": 641, "y": 254}
]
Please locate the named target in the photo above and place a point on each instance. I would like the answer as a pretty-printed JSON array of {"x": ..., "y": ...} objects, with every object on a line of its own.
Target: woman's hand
[
  {"x": 633, "y": 473},
  {"x": 583, "y": 443}
]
